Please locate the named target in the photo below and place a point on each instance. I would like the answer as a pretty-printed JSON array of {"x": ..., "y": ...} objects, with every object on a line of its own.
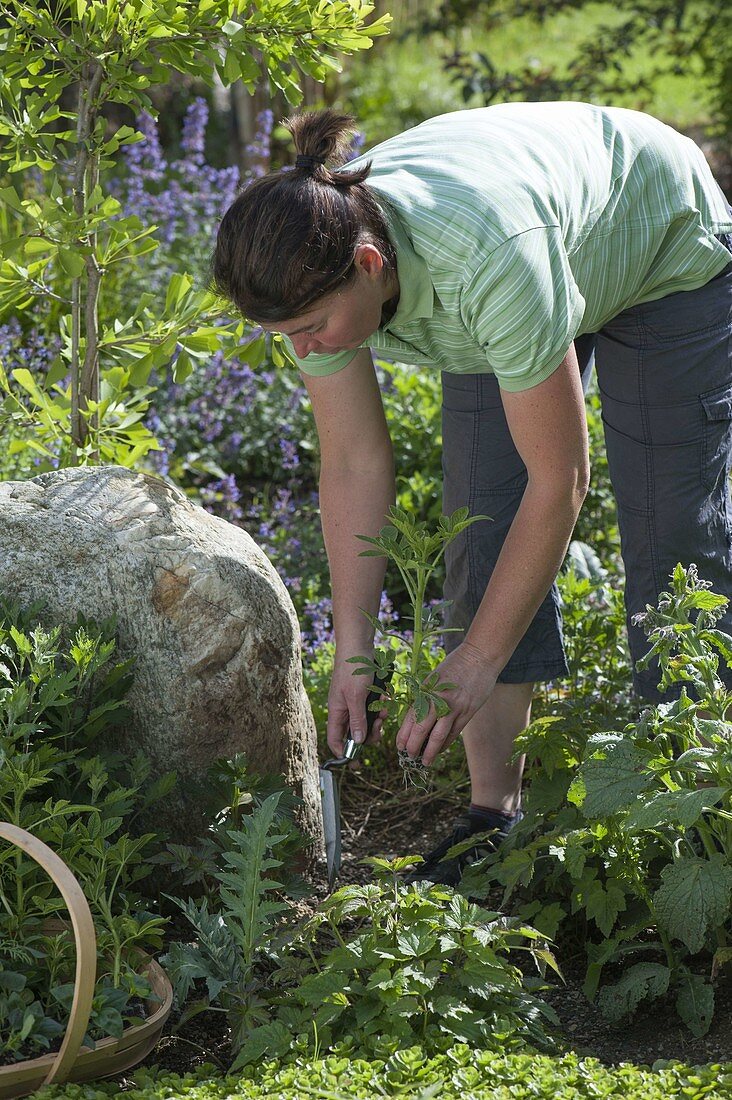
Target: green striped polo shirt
[{"x": 520, "y": 226}]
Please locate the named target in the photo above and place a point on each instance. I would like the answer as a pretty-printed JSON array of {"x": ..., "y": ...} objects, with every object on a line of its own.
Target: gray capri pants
[{"x": 664, "y": 371}]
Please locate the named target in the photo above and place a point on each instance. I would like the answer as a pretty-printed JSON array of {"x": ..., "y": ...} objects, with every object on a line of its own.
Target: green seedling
[{"x": 411, "y": 658}]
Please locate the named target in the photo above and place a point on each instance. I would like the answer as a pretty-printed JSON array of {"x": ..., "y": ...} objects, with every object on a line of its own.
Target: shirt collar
[{"x": 416, "y": 292}]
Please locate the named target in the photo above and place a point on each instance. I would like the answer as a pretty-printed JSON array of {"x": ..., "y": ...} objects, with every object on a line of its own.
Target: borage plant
[
  {"x": 409, "y": 659},
  {"x": 627, "y": 841}
]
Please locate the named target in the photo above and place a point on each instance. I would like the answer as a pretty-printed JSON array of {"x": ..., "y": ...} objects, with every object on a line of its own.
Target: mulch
[{"x": 381, "y": 818}]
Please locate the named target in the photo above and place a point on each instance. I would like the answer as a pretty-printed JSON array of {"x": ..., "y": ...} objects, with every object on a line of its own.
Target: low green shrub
[{"x": 457, "y": 1073}]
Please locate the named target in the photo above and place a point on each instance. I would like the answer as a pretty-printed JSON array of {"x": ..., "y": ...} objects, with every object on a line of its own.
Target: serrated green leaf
[
  {"x": 694, "y": 898},
  {"x": 613, "y": 777},
  {"x": 272, "y": 1039},
  {"x": 604, "y": 902},
  {"x": 671, "y": 807}
]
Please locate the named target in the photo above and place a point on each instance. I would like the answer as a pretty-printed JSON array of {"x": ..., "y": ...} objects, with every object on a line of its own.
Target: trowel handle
[{"x": 352, "y": 748}]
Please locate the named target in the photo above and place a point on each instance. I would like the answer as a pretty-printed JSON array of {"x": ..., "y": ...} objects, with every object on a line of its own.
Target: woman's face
[{"x": 346, "y": 318}]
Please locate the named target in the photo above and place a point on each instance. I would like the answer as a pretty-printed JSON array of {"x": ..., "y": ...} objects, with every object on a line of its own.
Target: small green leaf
[
  {"x": 183, "y": 367},
  {"x": 72, "y": 263},
  {"x": 604, "y": 902}
]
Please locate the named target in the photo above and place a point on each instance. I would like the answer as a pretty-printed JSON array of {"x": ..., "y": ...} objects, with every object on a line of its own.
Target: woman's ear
[{"x": 369, "y": 259}]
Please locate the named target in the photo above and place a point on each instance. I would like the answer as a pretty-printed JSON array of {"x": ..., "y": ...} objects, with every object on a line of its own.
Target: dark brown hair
[{"x": 290, "y": 238}]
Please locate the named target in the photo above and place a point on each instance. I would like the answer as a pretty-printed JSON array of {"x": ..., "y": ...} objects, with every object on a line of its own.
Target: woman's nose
[{"x": 303, "y": 345}]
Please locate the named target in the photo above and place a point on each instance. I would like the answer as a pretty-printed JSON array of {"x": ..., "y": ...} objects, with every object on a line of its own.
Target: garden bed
[{"x": 381, "y": 818}]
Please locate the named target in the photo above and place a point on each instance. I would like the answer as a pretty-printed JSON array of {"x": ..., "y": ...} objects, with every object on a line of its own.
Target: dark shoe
[{"x": 449, "y": 871}]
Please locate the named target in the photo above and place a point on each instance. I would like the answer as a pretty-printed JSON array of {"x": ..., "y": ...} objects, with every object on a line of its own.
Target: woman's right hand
[{"x": 347, "y": 707}]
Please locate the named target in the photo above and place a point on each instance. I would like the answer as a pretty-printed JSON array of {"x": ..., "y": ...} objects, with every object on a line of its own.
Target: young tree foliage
[{"x": 62, "y": 241}]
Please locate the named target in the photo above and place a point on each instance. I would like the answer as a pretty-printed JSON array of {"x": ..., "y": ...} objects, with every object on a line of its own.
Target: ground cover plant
[{"x": 458, "y": 1072}]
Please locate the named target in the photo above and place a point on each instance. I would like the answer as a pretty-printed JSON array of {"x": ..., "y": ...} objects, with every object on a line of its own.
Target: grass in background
[{"x": 398, "y": 84}]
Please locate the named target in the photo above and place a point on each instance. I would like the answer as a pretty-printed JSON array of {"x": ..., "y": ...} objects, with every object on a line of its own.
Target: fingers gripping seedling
[{"x": 416, "y": 552}]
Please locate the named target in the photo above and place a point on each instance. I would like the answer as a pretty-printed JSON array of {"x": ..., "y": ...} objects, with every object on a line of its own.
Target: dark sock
[{"x": 486, "y": 811}]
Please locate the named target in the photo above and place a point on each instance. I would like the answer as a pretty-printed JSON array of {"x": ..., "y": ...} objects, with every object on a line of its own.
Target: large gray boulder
[{"x": 210, "y": 624}]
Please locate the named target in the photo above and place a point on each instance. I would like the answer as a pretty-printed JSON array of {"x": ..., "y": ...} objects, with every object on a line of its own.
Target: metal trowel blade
[{"x": 329, "y": 790}]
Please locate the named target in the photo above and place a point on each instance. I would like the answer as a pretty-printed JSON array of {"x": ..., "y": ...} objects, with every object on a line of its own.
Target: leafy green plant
[
  {"x": 416, "y": 551},
  {"x": 57, "y": 694},
  {"x": 628, "y": 835},
  {"x": 411, "y": 964},
  {"x": 457, "y": 1072},
  {"x": 24, "y": 1026},
  {"x": 237, "y": 926}
]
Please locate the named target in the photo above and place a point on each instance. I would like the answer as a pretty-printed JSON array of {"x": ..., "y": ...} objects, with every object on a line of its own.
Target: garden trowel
[{"x": 331, "y": 775}]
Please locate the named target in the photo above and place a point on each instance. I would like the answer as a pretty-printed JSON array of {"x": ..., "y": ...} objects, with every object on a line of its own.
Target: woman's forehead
[{"x": 303, "y": 323}]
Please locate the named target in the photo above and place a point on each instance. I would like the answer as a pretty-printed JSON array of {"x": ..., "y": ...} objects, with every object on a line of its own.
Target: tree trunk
[
  {"x": 85, "y": 378},
  {"x": 245, "y": 109}
]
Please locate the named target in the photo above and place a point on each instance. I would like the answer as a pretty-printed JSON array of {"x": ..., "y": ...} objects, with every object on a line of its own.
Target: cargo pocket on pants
[{"x": 716, "y": 452}]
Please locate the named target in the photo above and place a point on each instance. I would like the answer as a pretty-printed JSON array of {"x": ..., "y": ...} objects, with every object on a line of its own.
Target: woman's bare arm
[
  {"x": 549, "y": 428},
  {"x": 356, "y": 491}
]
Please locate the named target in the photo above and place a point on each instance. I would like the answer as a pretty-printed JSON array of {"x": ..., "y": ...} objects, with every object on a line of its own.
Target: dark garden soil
[{"x": 389, "y": 821}]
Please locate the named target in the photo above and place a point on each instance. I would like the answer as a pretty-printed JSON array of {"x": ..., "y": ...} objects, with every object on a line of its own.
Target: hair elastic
[{"x": 302, "y": 160}]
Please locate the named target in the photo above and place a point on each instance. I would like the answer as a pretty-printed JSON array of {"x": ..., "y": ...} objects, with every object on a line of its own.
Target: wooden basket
[{"x": 109, "y": 1056}]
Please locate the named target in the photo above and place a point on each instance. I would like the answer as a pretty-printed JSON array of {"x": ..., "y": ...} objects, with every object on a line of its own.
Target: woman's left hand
[{"x": 474, "y": 679}]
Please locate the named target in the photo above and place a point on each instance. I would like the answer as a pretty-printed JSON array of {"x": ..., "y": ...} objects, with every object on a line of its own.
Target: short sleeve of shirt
[
  {"x": 523, "y": 307},
  {"x": 321, "y": 364}
]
